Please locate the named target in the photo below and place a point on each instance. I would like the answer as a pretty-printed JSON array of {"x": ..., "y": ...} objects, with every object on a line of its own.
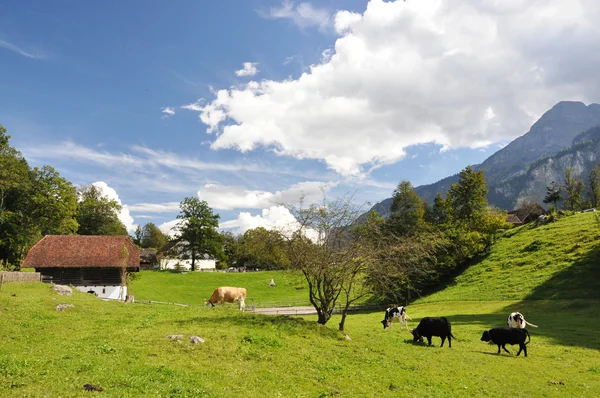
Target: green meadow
[{"x": 550, "y": 273}]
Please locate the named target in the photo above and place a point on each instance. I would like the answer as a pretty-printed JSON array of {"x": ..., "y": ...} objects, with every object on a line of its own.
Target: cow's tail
[{"x": 528, "y": 336}]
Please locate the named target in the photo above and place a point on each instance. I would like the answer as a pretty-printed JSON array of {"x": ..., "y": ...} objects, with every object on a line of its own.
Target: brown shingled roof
[{"x": 74, "y": 251}]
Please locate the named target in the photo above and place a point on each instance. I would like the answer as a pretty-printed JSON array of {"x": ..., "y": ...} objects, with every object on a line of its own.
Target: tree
[
  {"x": 594, "y": 179},
  {"x": 15, "y": 187},
  {"x": 231, "y": 250},
  {"x": 553, "y": 194},
  {"x": 53, "y": 202},
  {"x": 574, "y": 190},
  {"x": 468, "y": 197},
  {"x": 320, "y": 248},
  {"x": 198, "y": 229},
  {"x": 407, "y": 210},
  {"x": 441, "y": 211},
  {"x": 98, "y": 215},
  {"x": 264, "y": 249},
  {"x": 151, "y": 236},
  {"x": 123, "y": 260}
]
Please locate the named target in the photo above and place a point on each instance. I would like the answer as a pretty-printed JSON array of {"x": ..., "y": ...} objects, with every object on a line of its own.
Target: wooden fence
[{"x": 7, "y": 276}]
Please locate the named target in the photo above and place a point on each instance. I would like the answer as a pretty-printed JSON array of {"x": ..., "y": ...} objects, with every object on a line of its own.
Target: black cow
[
  {"x": 503, "y": 336},
  {"x": 433, "y": 327}
]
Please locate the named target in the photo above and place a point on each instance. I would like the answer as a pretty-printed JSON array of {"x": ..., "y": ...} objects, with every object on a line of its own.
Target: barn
[{"x": 88, "y": 263}]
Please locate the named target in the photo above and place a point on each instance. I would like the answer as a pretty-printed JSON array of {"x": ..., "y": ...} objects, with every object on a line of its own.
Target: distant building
[
  {"x": 174, "y": 256},
  {"x": 90, "y": 263},
  {"x": 526, "y": 214},
  {"x": 148, "y": 259}
]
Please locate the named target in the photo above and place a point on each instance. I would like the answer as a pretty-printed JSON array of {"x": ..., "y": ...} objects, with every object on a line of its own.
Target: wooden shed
[{"x": 90, "y": 263}]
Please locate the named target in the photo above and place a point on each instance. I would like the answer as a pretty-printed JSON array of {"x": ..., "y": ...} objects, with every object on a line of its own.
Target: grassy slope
[
  {"x": 194, "y": 287},
  {"x": 122, "y": 347},
  {"x": 560, "y": 260}
]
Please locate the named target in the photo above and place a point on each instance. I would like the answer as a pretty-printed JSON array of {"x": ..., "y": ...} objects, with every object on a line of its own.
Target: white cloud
[
  {"x": 248, "y": 70},
  {"x": 155, "y": 207},
  {"x": 169, "y": 227},
  {"x": 303, "y": 15},
  {"x": 228, "y": 197},
  {"x": 168, "y": 112},
  {"x": 18, "y": 50},
  {"x": 124, "y": 215},
  {"x": 408, "y": 73}
]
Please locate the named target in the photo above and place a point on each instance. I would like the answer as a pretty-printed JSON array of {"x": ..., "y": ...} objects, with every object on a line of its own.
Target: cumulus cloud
[
  {"x": 304, "y": 15},
  {"x": 273, "y": 218},
  {"x": 123, "y": 215},
  {"x": 225, "y": 197},
  {"x": 248, "y": 70},
  {"x": 155, "y": 207},
  {"x": 169, "y": 227},
  {"x": 457, "y": 74},
  {"x": 168, "y": 112}
]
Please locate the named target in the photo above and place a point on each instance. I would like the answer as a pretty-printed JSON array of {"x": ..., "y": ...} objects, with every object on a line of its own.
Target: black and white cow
[
  {"x": 395, "y": 312},
  {"x": 433, "y": 327},
  {"x": 517, "y": 320},
  {"x": 503, "y": 336}
]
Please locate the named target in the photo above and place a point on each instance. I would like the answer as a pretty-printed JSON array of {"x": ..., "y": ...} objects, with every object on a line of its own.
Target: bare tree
[
  {"x": 321, "y": 247},
  {"x": 123, "y": 260}
]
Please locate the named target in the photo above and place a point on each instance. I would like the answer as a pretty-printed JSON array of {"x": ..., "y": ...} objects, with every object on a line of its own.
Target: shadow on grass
[{"x": 290, "y": 325}]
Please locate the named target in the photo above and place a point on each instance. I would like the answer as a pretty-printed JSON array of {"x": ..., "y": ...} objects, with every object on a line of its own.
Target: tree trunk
[
  {"x": 323, "y": 318},
  {"x": 193, "y": 260}
]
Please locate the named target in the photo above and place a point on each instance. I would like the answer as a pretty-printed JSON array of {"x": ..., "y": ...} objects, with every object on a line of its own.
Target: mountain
[{"x": 563, "y": 137}]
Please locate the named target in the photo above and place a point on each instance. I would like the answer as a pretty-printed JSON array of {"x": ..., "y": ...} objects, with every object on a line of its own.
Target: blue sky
[{"x": 248, "y": 104}]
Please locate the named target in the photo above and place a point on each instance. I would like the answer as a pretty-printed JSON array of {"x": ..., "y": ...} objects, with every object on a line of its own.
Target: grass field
[
  {"x": 124, "y": 349},
  {"x": 194, "y": 287}
]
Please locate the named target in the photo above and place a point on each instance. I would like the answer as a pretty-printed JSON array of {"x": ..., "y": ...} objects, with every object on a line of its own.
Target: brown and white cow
[{"x": 226, "y": 294}]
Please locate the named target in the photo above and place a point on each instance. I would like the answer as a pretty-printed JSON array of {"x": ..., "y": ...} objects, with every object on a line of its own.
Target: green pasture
[
  {"x": 550, "y": 273},
  {"x": 123, "y": 348},
  {"x": 195, "y": 287},
  {"x": 559, "y": 260}
]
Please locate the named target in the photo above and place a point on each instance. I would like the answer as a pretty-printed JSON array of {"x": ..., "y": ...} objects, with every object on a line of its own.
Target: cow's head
[
  {"x": 207, "y": 303},
  {"x": 385, "y": 323},
  {"x": 416, "y": 335},
  {"x": 486, "y": 336}
]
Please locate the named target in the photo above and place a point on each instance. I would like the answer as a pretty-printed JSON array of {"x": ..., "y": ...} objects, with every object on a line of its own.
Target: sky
[{"x": 251, "y": 104}]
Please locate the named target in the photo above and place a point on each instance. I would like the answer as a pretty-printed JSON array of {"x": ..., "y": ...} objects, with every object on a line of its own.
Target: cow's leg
[
  {"x": 522, "y": 347},
  {"x": 428, "y": 340},
  {"x": 498, "y": 348},
  {"x": 504, "y": 348},
  {"x": 443, "y": 340},
  {"x": 450, "y": 341}
]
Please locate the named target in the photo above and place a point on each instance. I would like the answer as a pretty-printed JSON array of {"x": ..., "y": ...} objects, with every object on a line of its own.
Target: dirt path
[{"x": 304, "y": 310}]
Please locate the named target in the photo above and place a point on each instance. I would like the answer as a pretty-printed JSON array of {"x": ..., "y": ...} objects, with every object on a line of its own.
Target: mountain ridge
[{"x": 561, "y": 128}]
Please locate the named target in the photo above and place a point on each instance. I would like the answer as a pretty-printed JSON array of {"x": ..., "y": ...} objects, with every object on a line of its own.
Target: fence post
[{"x": 1, "y": 279}]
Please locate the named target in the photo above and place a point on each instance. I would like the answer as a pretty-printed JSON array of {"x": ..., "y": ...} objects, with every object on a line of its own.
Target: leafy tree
[
  {"x": 198, "y": 229},
  {"x": 573, "y": 190},
  {"x": 261, "y": 248},
  {"x": 441, "y": 211},
  {"x": 231, "y": 250},
  {"x": 320, "y": 248},
  {"x": 594, "y": 179},
  {"x": 553, "y": 194},
  {"x": 53, "y": 202},
  {"x": 407, "y": 210},
  {"x": 15, "y": 185},
  {"x": 151, "y": 236},
  {"x": 468, "y": 198},
  {"x": 98, "y": 215}
]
